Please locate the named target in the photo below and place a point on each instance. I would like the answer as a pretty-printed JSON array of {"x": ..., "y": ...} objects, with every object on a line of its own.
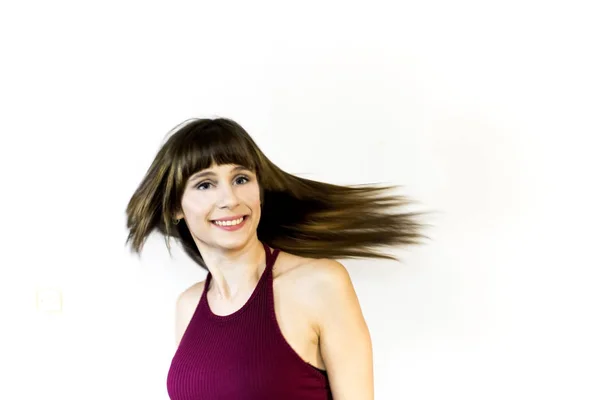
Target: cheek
[
  {"x": 251, "y": 196},
  {"x": 195, "y": 205}
]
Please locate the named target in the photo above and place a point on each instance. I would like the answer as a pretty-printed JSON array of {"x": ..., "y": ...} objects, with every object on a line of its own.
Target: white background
[{"x": 486, "y": 112}]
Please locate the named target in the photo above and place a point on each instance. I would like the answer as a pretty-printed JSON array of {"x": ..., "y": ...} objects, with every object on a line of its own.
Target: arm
[{"x": 345, "y": 342}]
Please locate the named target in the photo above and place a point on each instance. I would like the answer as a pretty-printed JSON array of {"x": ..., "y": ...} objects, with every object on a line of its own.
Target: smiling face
[{"x": 221, "y": 206}]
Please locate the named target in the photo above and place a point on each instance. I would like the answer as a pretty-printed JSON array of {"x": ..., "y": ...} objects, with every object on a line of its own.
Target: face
[{"x": 221, "y": 206}]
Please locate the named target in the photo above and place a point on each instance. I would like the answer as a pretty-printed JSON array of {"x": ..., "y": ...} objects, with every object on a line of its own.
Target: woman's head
[
  {"x": 221, "y": 206},
  {"x": 214, "y": 166},
  {"x": 210, "y": 169}
]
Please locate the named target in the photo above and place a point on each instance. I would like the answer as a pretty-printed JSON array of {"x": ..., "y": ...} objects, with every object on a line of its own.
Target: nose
[{"x": 227, "y": 197}]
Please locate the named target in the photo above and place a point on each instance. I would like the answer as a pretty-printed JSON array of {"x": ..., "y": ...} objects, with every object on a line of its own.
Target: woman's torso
[{"x": 294, "y": 308}]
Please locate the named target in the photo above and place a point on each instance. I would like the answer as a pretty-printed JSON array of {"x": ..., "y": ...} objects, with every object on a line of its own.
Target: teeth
[{"x": 230, "y": 223}]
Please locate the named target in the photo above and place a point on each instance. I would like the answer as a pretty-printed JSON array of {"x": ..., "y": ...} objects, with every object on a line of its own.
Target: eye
[
  {"x": 203, "y": 185},
  {"x": 242, "y": 179}
]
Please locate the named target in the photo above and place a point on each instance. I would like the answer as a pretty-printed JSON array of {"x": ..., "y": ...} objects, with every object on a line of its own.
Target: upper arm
[
  {"x": 345, "y": 341},
  {"x": 185, "y": 307}
]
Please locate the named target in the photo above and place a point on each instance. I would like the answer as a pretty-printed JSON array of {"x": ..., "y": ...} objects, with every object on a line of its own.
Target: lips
[
  {"x": 230, "y": 224},
  {"x": 225, "y": 219}
]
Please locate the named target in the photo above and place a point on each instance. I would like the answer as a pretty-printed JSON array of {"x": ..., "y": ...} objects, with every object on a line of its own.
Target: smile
[{"x": 229, "y": 223}]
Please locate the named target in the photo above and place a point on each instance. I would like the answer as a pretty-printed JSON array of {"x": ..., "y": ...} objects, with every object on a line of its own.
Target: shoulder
[
  {"x": 316, "y": 273},
  {"x": 344, "y": 338},
  {"x": 190, "y": 296},
  {"x": 315, "y": 267},
  {"x": 328, "y": 271},
  {"x": 325, "y": 274},
  {"x": 334, "y": 301},
  {"x": 186, "y": 304},
  {"x": 192, "y": 291},
  {"x": 323, "y": 281},
  {"x": 330, "y": 281}
]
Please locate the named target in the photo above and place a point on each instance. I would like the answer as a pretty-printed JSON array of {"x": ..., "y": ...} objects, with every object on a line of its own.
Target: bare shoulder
[
  {"x": 313, "y": 268},
  {"x": 186, "y": 304},
  {"x": 321, "y": 280},
  {"x": 330, "y": 281},
  {"x": 344, "y": 339},
  {"x": 192, "y": 291},
  {"x": 317, "y": 272},
  {"x": 327, "y": 272}
]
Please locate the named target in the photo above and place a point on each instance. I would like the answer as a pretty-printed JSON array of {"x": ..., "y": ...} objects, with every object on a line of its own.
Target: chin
[
  {"x": 228, "y": 240},
  {"x": 232, "y": 243},
  {"x": 232, "y": 239}
]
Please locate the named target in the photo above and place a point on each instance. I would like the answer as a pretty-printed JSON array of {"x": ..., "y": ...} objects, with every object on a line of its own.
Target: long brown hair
[{"x": 300, "y": 216}]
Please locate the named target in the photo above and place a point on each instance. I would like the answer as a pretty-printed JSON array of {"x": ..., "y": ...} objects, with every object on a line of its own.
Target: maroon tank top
[{"x": 243, "y": 355}]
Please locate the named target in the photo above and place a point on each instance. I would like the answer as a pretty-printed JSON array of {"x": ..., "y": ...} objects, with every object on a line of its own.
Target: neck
[{"x": 234, "y": 271}]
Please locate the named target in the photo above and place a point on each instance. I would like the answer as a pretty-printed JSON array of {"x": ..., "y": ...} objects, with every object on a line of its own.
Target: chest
[
  {"x": 263, "y": 346},
  {"x": 294, "y": 316}
]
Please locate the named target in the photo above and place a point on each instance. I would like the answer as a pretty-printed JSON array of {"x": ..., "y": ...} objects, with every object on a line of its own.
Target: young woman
[{"x": 277, "y": 317}]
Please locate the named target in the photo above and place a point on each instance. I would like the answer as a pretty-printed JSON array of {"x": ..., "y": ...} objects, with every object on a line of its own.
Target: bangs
[{"x": 202, "y": 144}]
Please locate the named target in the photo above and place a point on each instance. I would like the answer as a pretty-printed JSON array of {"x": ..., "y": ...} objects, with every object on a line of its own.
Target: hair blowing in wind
[{"x": 299, "y": 216}]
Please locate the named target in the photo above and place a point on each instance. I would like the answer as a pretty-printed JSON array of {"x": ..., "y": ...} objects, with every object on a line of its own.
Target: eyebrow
[{"x": 203, "y": 174}]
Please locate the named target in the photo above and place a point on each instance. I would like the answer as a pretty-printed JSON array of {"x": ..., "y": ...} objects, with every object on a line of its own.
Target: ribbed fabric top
[{"x": 243, "y": 355}]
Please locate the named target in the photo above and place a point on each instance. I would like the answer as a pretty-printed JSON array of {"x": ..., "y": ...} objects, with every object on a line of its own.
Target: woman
[{"x": 277, "y": 317}]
